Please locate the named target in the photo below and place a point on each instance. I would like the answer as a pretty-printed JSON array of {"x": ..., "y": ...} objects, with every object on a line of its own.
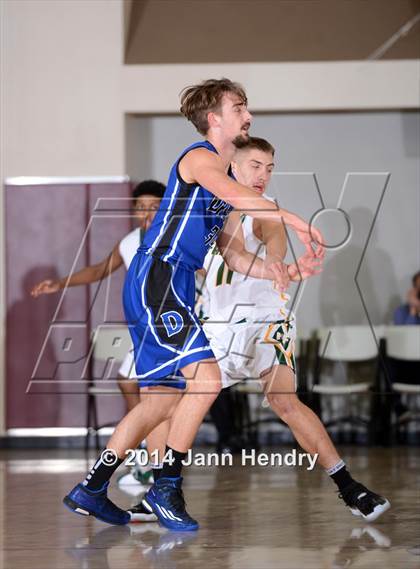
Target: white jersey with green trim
[{"x": 229, "y": 296}]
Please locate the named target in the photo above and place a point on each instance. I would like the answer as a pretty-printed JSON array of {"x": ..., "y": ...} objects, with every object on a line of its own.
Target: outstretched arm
[
  {"x": 86, "y": 275},
  {"x": 231, "y": 244},
  {"x": 207, "y": 169}
]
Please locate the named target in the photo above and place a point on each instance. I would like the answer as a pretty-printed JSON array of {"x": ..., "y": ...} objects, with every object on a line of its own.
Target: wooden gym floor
[{"x": 251, "y": 517}]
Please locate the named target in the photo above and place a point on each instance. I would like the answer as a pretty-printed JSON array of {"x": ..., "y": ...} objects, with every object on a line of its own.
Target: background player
[{"x": 147, "y": 196}]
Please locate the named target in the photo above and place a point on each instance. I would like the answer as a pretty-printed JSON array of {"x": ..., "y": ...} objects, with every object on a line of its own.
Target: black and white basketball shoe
[
  {"x": 142, "y": 512},
  {"x": 362, "y": 502}
]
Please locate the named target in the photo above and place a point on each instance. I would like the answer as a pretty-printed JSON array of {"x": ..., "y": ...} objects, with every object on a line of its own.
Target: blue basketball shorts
[{"x": 158, "y": 303}]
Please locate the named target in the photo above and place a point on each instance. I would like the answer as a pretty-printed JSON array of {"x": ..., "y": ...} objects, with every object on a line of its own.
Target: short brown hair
[
  {"x": 255, "y": 142},
  {"x": 199, "y": 100}
]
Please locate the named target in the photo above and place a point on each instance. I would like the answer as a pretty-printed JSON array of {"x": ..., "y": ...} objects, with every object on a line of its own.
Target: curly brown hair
[{"x": 199, "y": 100}]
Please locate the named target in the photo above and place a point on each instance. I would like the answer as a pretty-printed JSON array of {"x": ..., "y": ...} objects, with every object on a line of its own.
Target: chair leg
[
  {"x": 254, "y": 431},
  {"x": 388, "y": 413},
  {"x": 95, "y": 423},
  {"x": 88, "y": 421}
]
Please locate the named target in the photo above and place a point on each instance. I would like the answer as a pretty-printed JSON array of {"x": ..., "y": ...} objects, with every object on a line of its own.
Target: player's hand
[
  {"x": 309, "y": 235},
  {"x": 45, "y": 287},
  {"x": 312, "y": 238},
  {"x": 281, "y": 276},
  {"x": 305, "y": 267}
]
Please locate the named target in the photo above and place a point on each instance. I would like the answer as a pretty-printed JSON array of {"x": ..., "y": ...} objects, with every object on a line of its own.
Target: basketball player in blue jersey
[{"x": 172, "y": 354}]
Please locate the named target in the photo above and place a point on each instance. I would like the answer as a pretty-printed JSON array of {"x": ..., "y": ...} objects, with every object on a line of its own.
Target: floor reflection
[
  {"x": 363, "y": 539},
  {"x": 150, "y": 546},
  {"x": 147, "y": 545}
]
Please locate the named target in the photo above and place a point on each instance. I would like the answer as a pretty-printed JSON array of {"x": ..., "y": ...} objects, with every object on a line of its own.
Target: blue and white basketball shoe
[
  {"x": 95, "y": 503},
  {"x": 166, "y": 499}
]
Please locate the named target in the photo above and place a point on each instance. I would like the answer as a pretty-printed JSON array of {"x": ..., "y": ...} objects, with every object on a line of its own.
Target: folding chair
[
  {"x": 403, "y": 343},
  {"x": 346, "y": 344}
]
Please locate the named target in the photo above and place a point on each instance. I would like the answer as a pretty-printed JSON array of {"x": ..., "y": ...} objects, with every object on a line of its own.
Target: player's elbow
[{"x": 98, "y": 272}]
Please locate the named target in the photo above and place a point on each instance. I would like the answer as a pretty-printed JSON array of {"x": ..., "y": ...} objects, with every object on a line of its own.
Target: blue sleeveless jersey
[{"x": 188, "y": 221}]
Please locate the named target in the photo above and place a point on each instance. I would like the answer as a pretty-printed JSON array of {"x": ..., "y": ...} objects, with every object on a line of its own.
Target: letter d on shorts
[{"x": 173, "y": 322}]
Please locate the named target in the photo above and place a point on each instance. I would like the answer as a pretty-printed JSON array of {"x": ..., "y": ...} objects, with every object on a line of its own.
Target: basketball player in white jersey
[{"x": 252, "y": 332}]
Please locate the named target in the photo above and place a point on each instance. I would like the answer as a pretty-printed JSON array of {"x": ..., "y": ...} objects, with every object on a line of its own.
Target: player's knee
[{"x": 284, "y": 405}]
